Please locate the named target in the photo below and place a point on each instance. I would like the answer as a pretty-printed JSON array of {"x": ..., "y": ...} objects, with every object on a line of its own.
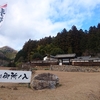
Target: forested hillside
[{"x": 73, "y": 41}]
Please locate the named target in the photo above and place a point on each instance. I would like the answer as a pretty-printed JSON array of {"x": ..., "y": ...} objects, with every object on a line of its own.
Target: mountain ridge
[
  {"x": 7, "y": 54},
  {"x": 7, "y": 47}
]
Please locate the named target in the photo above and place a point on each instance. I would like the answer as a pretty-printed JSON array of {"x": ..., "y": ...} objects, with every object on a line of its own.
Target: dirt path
[{"x": 74, "y": 86}]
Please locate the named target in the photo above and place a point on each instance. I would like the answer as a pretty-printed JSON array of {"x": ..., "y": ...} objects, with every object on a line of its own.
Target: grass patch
[
  {"x": 34, "y": 69},
  {"x": 46, "y": 69},
  {"x": 58, "y": 85}
]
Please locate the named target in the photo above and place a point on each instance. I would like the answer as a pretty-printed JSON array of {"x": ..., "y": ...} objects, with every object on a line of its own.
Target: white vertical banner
[
  {"x": 2, "y": 13},
  {"x": 12, "y": 76}
]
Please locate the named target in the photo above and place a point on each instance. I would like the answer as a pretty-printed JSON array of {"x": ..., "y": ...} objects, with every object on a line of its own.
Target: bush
[
  {"x": 37, "y": 56},
  {"x": 11, "y": 64}
]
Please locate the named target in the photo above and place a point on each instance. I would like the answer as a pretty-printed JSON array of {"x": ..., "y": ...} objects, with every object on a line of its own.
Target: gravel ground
[{"x": 73, "y": 86}]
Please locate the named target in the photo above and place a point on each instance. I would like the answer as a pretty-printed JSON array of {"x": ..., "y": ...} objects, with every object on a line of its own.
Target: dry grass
[{"x": 74, "y": 86}]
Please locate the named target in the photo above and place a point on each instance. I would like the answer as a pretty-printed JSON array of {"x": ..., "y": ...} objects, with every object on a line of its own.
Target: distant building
[
  {"x": 65, "y": 58},
  {"x": 86, "y": 61},
  {"x": 45, "y": 58}
]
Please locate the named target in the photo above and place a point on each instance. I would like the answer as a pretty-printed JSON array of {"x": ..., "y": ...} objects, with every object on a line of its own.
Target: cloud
[{"x": 35, "y": 19}]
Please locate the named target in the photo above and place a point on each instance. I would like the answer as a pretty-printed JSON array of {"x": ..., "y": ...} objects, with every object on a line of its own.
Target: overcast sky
[{"x": 36, "y": 19}]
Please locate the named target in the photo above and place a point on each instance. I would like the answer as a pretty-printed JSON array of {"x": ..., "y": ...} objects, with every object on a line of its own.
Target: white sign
[{"x": 15, "y": 76}]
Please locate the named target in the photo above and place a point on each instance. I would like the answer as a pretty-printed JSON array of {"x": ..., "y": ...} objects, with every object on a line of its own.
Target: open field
[{"x": 74, "y": 86}]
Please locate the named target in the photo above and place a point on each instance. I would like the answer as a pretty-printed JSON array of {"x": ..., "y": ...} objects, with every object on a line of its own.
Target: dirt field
[{"x": 74, "y": 86}]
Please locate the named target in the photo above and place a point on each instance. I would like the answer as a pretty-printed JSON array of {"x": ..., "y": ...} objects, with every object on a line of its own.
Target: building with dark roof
[
  {"x": 65, "y": 58},
  {"x": 86, "y": 61}
]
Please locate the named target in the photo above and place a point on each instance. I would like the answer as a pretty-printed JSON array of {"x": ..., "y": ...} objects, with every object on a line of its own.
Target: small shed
[{"x": 65, "y": 58}]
